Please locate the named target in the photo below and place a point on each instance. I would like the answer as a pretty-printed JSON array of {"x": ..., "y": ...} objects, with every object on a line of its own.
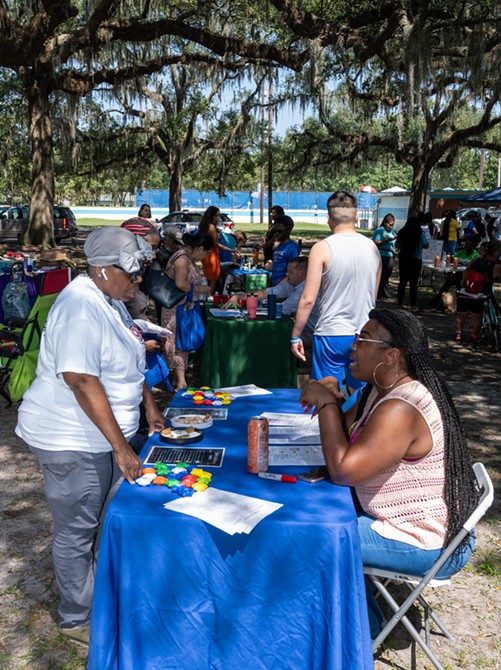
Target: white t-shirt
[
  {"x": 84, "y": 333},
  {"x": 348, "y": 288}
]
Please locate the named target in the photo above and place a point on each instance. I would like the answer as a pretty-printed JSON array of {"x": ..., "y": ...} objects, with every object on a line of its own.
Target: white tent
[{"x": 394, "y": 189}]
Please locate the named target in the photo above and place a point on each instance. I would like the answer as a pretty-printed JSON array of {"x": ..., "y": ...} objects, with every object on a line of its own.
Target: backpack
[
  {"x": 15, "y": 298},
  {"x": 474, "y": 280}
]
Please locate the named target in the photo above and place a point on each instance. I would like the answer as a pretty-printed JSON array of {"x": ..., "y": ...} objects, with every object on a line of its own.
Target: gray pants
[{"x": 77, "y": 484}]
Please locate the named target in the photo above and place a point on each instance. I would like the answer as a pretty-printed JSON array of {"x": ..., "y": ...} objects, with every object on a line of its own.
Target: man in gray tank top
[{"x": 343, "y": 272}]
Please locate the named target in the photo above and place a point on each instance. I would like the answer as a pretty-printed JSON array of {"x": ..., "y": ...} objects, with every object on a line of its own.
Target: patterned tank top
[{"x": 407, "y": 499}]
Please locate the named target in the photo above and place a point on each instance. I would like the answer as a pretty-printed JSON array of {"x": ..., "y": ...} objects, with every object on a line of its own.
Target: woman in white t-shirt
[{"x": 83, "y": 408}]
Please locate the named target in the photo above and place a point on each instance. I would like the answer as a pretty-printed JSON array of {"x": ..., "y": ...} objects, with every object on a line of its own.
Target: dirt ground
[{"x": 470, "y": 607}]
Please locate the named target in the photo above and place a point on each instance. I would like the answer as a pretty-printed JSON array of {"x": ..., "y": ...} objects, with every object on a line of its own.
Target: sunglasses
[
  {"x": 358, "y": 338},
  {"x": 133, "y": 276}
]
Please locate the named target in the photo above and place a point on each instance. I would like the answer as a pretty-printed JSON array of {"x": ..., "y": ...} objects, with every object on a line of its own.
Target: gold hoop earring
[{"x": 385, "y": 388}]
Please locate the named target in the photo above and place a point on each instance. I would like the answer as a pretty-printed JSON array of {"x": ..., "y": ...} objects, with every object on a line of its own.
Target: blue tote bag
[{"x": 190, "y": 329}]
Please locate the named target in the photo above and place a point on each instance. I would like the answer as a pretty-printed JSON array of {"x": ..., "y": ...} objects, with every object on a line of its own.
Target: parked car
[
  {"x": 187, "y": 220},
  {"x": 14, "y": 222}
]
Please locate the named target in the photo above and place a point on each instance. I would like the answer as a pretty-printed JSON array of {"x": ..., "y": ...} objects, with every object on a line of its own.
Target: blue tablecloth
[{"x": 174, "y": 592}]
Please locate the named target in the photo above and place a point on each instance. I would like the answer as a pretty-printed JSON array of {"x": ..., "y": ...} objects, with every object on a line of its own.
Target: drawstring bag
[
  {"x": 15, "y": 298},
  {"x": 190, "y": 329}
]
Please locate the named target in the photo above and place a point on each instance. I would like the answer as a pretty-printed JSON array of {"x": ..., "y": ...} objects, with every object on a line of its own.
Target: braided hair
[{"x": 460, "y": 492}]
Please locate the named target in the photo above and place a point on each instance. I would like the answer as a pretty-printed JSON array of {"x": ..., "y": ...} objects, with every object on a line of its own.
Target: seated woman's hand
[
  {"x": 315, "y": 394},
  {"x": 333, "y": 385}
]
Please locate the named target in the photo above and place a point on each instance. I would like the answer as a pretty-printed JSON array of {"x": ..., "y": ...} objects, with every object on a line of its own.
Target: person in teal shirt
[{"x": 384, "y": 238}]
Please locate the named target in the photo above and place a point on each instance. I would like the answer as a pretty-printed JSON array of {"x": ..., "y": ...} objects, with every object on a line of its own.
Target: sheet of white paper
[
  {"x": 292, "y": 455},
  {"x": 244, "y": 391},
  {"x": 293, "y": 428},
  {"x": 296, "y": 420},
  {"x": 225, "y": 313},
  {"x": 148, "y": 327},
  {"x": 296, "y": 438},
  {"x": 230, "y": 512}
]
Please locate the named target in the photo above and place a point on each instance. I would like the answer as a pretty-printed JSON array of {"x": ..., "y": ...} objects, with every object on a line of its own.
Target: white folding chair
[{"x": 417, "y": 583}]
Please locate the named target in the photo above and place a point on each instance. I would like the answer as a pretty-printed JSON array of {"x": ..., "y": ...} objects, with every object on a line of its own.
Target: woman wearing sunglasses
[
  {"x": 83, "y": 408},
  {"x": 401, "y": 448}
]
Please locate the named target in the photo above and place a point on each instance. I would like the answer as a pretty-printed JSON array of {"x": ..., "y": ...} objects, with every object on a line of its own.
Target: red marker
[{"x": 279, "y": 478}]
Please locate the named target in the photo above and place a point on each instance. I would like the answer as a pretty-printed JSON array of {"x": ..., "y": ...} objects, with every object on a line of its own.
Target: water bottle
[{"x": 202, "y": 296}]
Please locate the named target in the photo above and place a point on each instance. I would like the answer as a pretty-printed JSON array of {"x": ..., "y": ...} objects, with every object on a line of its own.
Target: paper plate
[
  {"x": 196, "y": 420},
  {"x": 181, "y": 436}
]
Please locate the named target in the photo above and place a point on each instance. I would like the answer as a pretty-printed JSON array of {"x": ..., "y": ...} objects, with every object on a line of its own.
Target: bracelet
[
  {"x": 332, "y": 402},
  {"x": 294, "y": 340}
]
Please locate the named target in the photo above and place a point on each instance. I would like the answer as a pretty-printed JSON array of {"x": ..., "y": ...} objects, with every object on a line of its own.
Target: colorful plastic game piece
[{"x": 180, "y": 478}]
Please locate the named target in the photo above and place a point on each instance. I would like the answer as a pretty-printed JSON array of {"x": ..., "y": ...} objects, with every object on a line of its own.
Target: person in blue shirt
[
  {"x": 384, "y": 238},
  {"x": 285, "y": 250}
]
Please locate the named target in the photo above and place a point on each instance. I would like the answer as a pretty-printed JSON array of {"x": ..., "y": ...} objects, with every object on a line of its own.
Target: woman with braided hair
[{"x": 401, "y": 448}]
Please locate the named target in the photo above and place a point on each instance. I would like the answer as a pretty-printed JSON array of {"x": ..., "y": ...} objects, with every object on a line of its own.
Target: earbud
[{"x": 103, "y": 271}]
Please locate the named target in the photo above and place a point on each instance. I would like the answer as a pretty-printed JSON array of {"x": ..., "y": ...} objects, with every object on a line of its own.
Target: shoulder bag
[{"x": 163, "y": 289}]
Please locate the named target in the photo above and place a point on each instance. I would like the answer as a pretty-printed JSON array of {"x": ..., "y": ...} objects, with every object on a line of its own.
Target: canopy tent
[{"x": 494, "y": 196}]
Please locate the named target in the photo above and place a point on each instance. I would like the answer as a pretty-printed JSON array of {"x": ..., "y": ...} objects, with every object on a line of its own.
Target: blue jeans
[{"x": 379, "y": 552}]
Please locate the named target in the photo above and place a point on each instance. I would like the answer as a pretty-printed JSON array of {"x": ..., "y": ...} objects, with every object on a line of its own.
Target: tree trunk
[
  {"x": 175, "y": 186},
  {"x": 420, "y": 178},
  {"x": 41, "y": 227}
]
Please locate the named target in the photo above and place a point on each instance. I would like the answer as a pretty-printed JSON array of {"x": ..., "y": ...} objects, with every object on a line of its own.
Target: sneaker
[
  {"x": 415, "y": 309},
  {"x": 458, "y": 338},
  {"x": 79, "y": 634},
  {"x": 473, "y": 342}
]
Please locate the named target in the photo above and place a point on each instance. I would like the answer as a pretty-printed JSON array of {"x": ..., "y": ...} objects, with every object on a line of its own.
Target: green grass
[
  {"x": 302, "y": 230},
  {"x": 491, "y": 565}
]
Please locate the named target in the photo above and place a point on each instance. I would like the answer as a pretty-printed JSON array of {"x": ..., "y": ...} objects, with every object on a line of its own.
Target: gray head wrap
[{"x": 117, "y": 246}]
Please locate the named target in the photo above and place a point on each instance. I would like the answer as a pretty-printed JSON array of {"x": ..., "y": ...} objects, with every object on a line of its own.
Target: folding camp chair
[
  {"x": 54, "y": 281},
  {"x": 417, "y": 583},
  {"x": 19, "y": 350}
]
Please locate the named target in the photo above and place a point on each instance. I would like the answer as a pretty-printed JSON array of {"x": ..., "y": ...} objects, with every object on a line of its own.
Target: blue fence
[{"x": 241, "y": 200}]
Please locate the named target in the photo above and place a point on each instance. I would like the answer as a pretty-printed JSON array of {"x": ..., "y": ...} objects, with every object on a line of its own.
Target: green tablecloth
[{"x": 248, "y": 352}]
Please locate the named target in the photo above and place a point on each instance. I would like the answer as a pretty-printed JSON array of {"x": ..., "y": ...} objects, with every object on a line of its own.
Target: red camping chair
[{"x": 55, "y": 280}]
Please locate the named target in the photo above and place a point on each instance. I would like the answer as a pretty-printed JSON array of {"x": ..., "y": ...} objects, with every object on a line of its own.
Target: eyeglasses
[
  {"x": 358, "y": 338},
  {"x": 133, "y": 276}
]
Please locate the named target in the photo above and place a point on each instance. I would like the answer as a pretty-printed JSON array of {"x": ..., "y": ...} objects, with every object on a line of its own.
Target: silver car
[
  {"x": 187, "y": 221},
  {"x": 14, "y": 222}
]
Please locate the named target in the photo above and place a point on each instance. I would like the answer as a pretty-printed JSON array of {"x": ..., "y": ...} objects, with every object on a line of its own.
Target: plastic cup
[
  {"x": 219, "y": 300},
  {"x": 252, "y": 302}
]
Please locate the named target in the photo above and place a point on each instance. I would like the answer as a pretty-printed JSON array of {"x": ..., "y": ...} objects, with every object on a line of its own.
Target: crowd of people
[{"x": 397, "y": 440}]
